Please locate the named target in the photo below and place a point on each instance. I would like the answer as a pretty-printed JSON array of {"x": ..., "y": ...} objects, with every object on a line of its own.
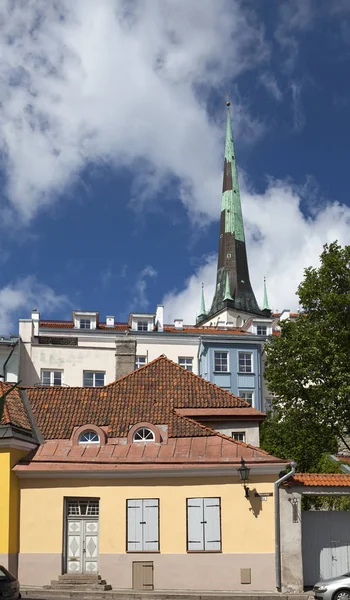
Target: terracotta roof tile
[
  {"x": 320, "y": 479},
  {"x": 14, "y": 412},
  {"x": 148, "y": 394},
  {"x": 344, "y": 459}
]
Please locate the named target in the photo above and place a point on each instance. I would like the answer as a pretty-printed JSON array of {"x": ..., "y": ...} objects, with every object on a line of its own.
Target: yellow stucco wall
[
  {"x": 247, "y": 527},
  {"x": 9, "y": 500}
]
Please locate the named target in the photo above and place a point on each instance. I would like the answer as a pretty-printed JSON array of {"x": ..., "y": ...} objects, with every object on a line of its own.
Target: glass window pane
[
  {"x": 57, "y": 378},
  {"x": 221, "y": 361},
  {"x": 261, "y": 329},
  {"x": 88, "y": 379},
  {"x": 245, "y": 362},
  {"x": 45, "y": 377},
  {"x": 99, "y": 379}
]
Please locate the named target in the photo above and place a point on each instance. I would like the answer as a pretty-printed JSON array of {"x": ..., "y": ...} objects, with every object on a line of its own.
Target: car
[
  {"x": 337, "y": 588},
  {"x": 9, "y": 585}
]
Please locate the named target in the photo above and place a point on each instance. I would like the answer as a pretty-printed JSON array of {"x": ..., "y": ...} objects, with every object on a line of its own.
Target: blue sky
[{"x": 112, "y": 122}]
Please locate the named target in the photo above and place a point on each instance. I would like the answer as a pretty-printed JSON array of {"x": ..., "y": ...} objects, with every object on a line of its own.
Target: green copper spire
[
  {"x": 227, "y": 288},
  {"x": 231, "y": 200},
  {"x": 266, "y": 300},
  {"x": 203, "y": 311}
]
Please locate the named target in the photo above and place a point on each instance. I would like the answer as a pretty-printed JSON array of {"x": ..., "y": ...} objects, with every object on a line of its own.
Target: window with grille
[
  {"x": 89, "y": 437},
  {"x": 186, "y": 362},
  {"x": 261, "y": 329},
  {"x": 93, "y": 378},
  {"x": 245, "y": 362},
  {"x": 140, "y": 361},
  {"x": 142, "y": 325},
  {"x": 143, "y": 525},
  {"x": 51, "y": 377},
  {"x": 144, "y": 434},
  {"x": 247, "y": 395},
  {"x": 238, "y": 435},
  {"x": 83, "y": 508},
  {"x": 203, "y": 525},
  {"x": 85, "y": 323},
  {"x": 221, "y": 362}
]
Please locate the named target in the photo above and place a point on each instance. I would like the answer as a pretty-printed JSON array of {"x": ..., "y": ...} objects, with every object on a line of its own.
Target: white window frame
[
  {"x": 185, "y": 360},
  {"x": 145, "y": 433},
  {"x": 141, "y": 525},
  {"x": 237, "y": 434},
  {"x": 143, "y": 362},
  {"x": 94, "y": 373},
  {"x": 88, "y": 442},
  {"x": 227, "y": 359},
  {"x": 201, "y": 522},
  {"x": 261, "y": 325},
  {"x": 85, "y": 320},
  {"x": 251, "y": 362},
  {"x": 52, "y": 377},
  {"x": 142, "y": 322},
  {"x": 242, "y": 392}
]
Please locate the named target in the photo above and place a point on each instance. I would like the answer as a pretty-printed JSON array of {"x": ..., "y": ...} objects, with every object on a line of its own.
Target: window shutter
[
  {"x": 134, "y": 525},
  {"x": 195, "y": 531},
  {"x": 150, "y": 527},
  {"x": 212, "y": 530}
]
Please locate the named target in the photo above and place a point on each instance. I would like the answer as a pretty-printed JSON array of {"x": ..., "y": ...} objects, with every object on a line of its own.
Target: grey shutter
[
  {"x": 134, "y": 539},
  {"x": 212, "y": 529},
  {"x": 150, "y": 527},
  {"x": 195, "y": 530}
]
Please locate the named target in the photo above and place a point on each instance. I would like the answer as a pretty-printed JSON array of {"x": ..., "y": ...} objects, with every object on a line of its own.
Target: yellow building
[{"x": 129, "y": 485}]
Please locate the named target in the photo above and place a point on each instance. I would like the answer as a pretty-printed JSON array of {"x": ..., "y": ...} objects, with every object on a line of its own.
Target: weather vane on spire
[{"x": 228, "y": 99}]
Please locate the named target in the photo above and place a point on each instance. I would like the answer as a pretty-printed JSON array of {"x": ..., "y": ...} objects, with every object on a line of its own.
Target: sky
[{"x": 112, "y": 123}]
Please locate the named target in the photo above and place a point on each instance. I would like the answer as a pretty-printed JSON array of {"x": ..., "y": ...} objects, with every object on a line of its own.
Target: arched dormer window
[
  {"x": 89, "y": 437},
  {"x": 143, "y": 434}
]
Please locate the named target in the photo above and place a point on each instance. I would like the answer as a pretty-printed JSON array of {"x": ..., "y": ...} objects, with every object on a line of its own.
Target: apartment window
[
  {"x": 221, "y": 362},
  {"x": 261, "y": 329},
  {"x": 142, "y": 525},
  {"x": 93, "y": 378},
  {"x": 142, "y": 325},
  {"x": 186, "y": 363},
  {"x": 51, "y": 377},
  {"x": 247, "y": 395},
  {"x": 85, "y": 323},
  {"x": 245, "y": 362},
  {"x": 238, "y": 435},
  {"x": 140, "y": 361},
  {"x": 203, "y": 525}
]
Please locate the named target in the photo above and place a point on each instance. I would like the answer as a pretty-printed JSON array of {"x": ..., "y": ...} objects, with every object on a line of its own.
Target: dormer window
[
  {"x": 89, "y": 437},
  {"x": 85, "y": 323},
  {"x": 144, "y": 434},
  {"x": 261, "y": 330},
  {"x": 142, "y": 325}
]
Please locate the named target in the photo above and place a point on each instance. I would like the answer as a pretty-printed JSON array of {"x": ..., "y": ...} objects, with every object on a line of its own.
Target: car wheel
[{"x": 342, "y": 595}]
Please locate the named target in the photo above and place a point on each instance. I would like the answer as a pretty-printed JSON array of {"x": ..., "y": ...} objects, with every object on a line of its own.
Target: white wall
[
  {"x": 172, "y": 350},
  {"x": 226, "y": 427},
  {"x": 12, "y": 365}
]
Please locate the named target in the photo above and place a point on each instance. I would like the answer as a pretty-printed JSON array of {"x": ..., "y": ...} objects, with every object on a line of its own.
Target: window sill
[
  {"x": 222, "y": 372},
  {"x": 245, "y": 373},
  {"x": 142, "y": 551},
  {"x": 203, "y": 551}
]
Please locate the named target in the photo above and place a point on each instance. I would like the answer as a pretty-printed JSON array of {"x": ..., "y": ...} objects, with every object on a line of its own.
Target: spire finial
[
  {"x": 202, "y": 311},
  {"x": 266, "y": 300},
  {"x": 228, "y": 103}
]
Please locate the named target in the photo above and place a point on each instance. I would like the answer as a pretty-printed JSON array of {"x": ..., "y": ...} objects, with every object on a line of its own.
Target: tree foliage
[{"x": 309, "y": 363}]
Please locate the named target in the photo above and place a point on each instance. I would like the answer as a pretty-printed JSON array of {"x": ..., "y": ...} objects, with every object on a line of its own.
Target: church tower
[{"x": 233, "y": 295}]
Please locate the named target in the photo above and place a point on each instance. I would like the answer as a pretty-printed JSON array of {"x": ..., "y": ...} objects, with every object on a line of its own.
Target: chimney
[
  {"x": 160, "y": 317},
  {"x": 179, "y": 323},
  {"x": 125, "y": 356},
  {"x": 35, "y": 316},
  {"x": 109, "y": 321}
]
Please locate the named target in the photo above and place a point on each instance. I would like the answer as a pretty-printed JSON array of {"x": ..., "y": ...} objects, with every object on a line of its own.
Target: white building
[{"x": 9, "y": 358}]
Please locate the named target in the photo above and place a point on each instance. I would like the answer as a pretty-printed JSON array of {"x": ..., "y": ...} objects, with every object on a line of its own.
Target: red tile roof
[
  {"x": 125, "y": 327},
  {"x": 14, "y": 412},
  {"x": 344, "y": 459},
  {"x": 248, "y": 413},
  {"x": 320, "y": 480},
  {"x": 148, "y": 394}
]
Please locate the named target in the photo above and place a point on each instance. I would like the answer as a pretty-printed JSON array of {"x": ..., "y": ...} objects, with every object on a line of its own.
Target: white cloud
[
  {"x": 281, "y": 242},
  {"x": 140, "y": 300},
  {"x": 20, "y": 296},
  {"x": 83, "y": 82},
  {"x": 270, "y": 84}
]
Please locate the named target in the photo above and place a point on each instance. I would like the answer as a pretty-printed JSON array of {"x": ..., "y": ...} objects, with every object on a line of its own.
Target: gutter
[
  {"x": 7, "y": 360},
  {"x": 278, "y": 524}
]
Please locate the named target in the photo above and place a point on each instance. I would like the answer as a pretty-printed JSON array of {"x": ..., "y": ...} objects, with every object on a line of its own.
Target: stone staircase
[{"x": 75, "y": 582}]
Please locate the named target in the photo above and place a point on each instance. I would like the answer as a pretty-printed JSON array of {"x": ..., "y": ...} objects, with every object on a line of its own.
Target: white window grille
[
  {"x": 140, "y": 361},
  {"x": 85, "y": 323},
  {"x": 186, "y": 362},
  {"x": 89, "y": 437},
  {"x": 142, "y": 325},
  {"x": 261, "y": 329},
  {"x": 51, "y": 377},
  {"x": 238, "y": 435},
  {"x": 221, "y": 362},
  {"x": 83, "y": 508},
  {"x": 93, "y": 378},
  {"x": 247, "y": 395},
  {"x": 245, "y": 362},
  {"x": 144, "y": 434}
]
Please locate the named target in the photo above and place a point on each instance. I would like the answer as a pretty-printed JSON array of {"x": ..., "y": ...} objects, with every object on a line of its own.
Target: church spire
[
  {"x": 203, "y": 312},
  {"x": 233, "y": 288},
  {"x": 266, "y": 300}
]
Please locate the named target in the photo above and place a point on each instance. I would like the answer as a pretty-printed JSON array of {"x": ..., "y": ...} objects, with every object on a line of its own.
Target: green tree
[{"x": 309, "y": 363}]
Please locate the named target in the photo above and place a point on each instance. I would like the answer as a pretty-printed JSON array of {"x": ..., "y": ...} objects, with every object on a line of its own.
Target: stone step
[
  {"x": 61, "y": 585},
  {"x": 78, "y": 582},
  {"x": 79, "y": 576},
  {"x": 43, "y": 594}
]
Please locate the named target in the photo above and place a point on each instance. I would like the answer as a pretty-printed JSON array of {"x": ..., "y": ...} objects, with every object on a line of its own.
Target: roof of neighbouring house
[
  {"x": 14, "y": 412},
  {"x": 167, "y": 328},
  {"x": 319, "y": 480}
]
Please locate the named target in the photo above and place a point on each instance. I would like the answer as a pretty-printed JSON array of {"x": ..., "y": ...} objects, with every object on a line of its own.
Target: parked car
[
  {"x": 337, "y": 588},
  {"x": 9, "y": 585}
]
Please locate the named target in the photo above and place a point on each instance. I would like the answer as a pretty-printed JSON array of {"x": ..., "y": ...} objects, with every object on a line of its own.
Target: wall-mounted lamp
[{"x": 244, "y": 475}]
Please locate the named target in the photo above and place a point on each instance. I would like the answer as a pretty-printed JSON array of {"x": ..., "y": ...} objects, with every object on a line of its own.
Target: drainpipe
[
  {"x": 277, "y": 524},
  {"x": 198, "y": 355},
  {"x": 7, "y": 360}
]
